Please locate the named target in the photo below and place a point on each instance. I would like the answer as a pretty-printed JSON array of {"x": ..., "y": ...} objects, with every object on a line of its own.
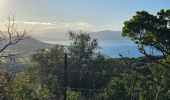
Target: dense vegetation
[{"x": 91, "y": 75}]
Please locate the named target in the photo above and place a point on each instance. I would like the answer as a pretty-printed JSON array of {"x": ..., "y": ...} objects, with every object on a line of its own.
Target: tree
[
  {"x": 81, "y": 53},
  {"x": 24, "y": 86},
  {"x": 81, "y": 59},
  {"x": 21, "y": 86},
  {"x": 82, "y": 48},
  {"x": 148, "y": 30},
  {"x": 116, "y": 90},
  {"x": 73, "y": 95},
  {"x": 48, "y": 68},
  {"x": 11, "y": 36}
]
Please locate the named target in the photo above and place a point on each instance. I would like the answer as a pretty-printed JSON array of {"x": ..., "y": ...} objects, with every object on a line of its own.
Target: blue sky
[{"x": 88, "y": 15}]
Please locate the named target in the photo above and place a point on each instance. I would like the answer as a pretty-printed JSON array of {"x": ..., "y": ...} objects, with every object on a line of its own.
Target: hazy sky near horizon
[{"x": 57, "y": 16}]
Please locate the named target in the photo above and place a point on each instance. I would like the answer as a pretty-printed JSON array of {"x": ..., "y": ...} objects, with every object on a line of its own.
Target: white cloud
[
  {"x": 84, "y": 26},
  {"x": 56, "y": 25},
  {"x": 53, "y": 29}
]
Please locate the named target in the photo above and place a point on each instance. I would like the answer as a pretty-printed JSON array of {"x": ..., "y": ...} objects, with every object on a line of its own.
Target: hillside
[{"x": 29, "y": 44}]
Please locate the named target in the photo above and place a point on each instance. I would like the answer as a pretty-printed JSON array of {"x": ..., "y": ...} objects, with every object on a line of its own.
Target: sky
[{"x": 51, "y": 18}]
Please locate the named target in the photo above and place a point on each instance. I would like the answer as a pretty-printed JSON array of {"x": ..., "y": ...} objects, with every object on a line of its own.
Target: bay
[{"x": 113, "y": 48}]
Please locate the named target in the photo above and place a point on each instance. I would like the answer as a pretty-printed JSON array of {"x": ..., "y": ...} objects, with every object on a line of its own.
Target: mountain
[
  {"x": 29, "y": 44},
  {"x": 107, "y": 35},
  {"x": 102, "y": 36}
]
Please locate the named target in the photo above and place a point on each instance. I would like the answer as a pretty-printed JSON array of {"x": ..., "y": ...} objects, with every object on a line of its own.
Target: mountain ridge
[
  {"x": 108, "y": 35},
  {"x": 102, "y": 36}
]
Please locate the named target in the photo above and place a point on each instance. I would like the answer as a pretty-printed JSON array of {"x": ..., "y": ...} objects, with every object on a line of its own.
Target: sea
[{"x": 113, "y": 48}]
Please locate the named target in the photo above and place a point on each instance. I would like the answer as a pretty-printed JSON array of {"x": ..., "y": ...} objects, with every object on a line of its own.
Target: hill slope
[{"x": 29, "y": 44}]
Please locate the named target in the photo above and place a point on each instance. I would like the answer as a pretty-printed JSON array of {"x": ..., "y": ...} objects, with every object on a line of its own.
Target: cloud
[
  {"x": 33, "y": 23},
  {"x": 53, "y": 29},
  {"x": 84, "y": 26}
]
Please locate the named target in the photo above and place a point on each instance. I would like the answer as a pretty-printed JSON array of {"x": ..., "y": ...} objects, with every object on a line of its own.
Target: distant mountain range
[{"x": 106, "y": 35}]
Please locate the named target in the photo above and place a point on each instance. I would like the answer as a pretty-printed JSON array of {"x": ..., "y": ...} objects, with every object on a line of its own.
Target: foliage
[
  {"x": 82, "y": 59},
  {"x": 82, "y": 48},
  {"x": 149, "y": 79},
  {"x": 25, "y": 88},
  {"x": 5, "y": 84},
  {"x": 48, "y": 66},
  {"x": 73, "y": 95},
  {"x": 149, "y": 30},
  {"x": 142, "y": 79},
  {"x": 20, "y": 86}
]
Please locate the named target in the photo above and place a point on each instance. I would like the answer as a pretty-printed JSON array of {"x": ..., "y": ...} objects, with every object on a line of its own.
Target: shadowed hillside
[{"x": 30, "y": 44}]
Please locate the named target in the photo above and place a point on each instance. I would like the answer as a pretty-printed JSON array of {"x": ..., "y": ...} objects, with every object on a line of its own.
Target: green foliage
[
  {"x": 82, "y": 58},
  {"x": 116, "y": 90},
  {"x": 5, "y": 85},
  {"x": 82, "y": 48},
  {"x": 149, "y": 79},
  {"x": 48, "y": 66},
  {"x": 48, "y": 57},
  {"x": 143, "y": 80},
  {"x": 20, "y": 87},
  {"x": 149, "y": 30},
  {"x": 73, "y": 95},
  {"x": 25, "y": 88}
]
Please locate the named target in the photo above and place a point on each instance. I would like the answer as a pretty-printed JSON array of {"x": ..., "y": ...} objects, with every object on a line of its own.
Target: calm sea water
[{"x": 113, "y": 48}]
